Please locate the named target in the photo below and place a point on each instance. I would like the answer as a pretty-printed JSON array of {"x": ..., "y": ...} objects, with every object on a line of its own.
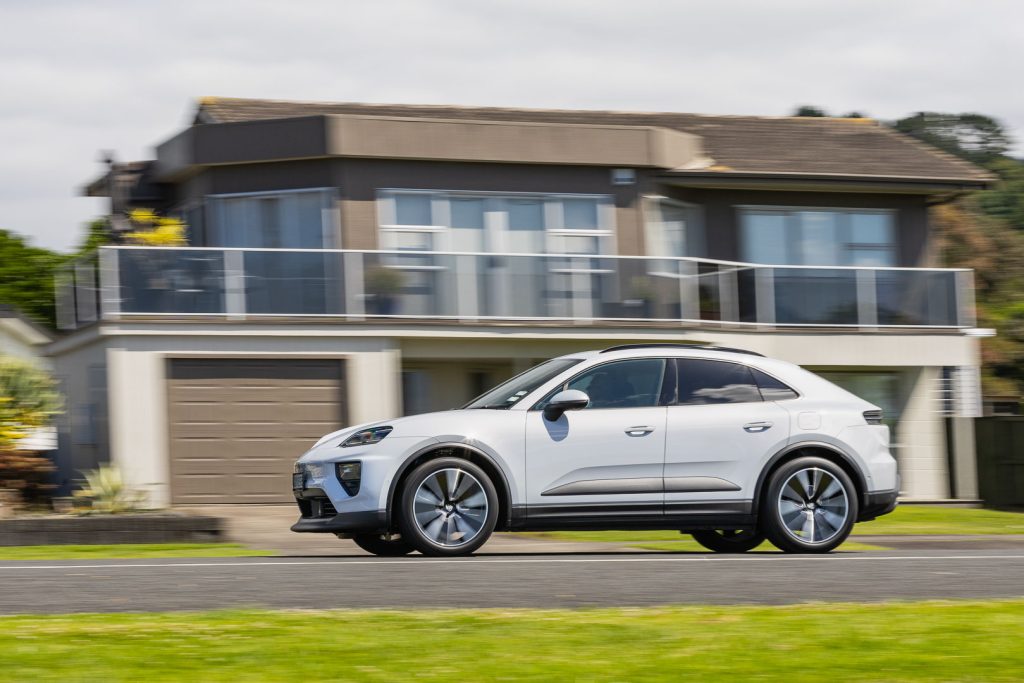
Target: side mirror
[{"x": 571, "y": 399}]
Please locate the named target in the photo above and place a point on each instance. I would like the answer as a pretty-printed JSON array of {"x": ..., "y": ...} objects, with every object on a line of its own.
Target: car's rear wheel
[
  {"x": 383, "y": 546},
  {"x": 449, "y": 507},
  {"x": 729, "y": 540},
  {"x": 810, "y": 506}
]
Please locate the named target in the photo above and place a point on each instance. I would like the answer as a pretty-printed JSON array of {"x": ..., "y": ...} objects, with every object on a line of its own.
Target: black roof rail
[{"x": 680, "y": 345}]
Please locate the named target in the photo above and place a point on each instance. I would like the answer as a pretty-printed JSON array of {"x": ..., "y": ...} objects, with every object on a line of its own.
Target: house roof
[
  {"x": 736, "y": 145},
  {"x": 17, "y": 324}
]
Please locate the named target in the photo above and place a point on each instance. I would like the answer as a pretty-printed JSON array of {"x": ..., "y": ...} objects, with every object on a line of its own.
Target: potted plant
[{"x": 383, "y": 284}]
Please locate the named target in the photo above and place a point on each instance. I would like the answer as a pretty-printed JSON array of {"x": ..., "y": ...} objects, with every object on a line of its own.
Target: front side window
[
  {"x": 818, "y": 237},
  {"x": 704, "y": 382},
  {"x": 620, "y": 384}
]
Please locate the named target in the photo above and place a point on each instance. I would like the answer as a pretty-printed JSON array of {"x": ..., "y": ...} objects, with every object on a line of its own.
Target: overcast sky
[{"x": 79, "y": 77}]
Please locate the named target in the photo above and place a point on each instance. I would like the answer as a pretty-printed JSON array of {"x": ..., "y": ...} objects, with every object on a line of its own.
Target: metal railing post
[
  {"x": 234, "y": 284},
  {"x": 727, "y": 295},
  {"x": 966, "y": 312},
  {"x": 867, "y": 299},
  {"x": 689, "y": 290},
  {"x": 467, "y": 295},
  {"x": 355, "y": 291},
  {"x": 110, "y": 284},
  {"x": 764, "y": 295}
]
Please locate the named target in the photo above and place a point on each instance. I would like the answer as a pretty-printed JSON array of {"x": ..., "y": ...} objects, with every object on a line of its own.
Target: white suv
[{"x": 724, "y": 444}]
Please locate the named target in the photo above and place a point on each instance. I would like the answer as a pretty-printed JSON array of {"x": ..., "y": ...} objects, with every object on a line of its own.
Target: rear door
[
  {"x": 719, "y": 431},
  {"x": 604, "y": 460}
]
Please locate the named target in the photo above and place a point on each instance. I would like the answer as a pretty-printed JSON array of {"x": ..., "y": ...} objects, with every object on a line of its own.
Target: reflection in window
[
  {"x": 673, "y": 229},
  {"x": 287, "y": 220},
  {"x": 812, "y": 237},
  {"x": 710, "y": 381},
  {"x": 622, "y": 384},
  {"x": 413, "y": 209}
]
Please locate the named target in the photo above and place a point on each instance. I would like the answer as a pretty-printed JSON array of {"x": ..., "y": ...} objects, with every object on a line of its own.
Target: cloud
[{"x": 79, "y": 77}]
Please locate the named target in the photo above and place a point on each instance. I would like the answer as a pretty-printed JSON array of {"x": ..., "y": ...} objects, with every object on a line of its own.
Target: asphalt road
[{"x": 534, "y": 580}]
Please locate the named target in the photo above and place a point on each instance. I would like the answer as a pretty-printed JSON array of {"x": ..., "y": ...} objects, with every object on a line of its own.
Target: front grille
[{"x": 316, "y": 508}]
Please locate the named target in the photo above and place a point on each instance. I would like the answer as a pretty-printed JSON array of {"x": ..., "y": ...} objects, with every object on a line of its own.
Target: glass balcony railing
[{"x": 237, "y": 284}]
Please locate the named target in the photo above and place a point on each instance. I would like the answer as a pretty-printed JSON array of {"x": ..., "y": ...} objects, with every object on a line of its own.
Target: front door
[
  {"x": 604, "y": 460},
  {"x": 719, "y": 431}
]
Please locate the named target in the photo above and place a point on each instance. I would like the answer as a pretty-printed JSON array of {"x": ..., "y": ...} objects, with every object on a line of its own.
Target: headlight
[{"x": 365, "y": 437}]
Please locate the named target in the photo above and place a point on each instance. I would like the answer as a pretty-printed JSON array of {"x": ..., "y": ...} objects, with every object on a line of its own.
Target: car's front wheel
[
  {"x": 809, "y": 507},
  {"x": 729, "y": 540},
  {"x": 449, "y": 507},
  {"x": 383, "y": 546}
]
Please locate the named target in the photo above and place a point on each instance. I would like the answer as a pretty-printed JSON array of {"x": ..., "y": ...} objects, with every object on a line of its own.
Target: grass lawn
[
  {"x": 906, "y": 520},
  {"x": 126, "y": 551},
  {"x": 828, "y": 642}
]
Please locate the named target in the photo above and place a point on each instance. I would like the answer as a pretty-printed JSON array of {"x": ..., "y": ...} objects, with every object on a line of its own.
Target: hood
[{"x": 423, "y": 425}]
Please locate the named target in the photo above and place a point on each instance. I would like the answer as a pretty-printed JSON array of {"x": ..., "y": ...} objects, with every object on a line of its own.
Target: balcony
[{"x": 119, "y": 283}]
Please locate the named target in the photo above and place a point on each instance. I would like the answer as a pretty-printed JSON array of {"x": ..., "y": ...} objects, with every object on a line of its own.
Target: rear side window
[
  {"x": 771, "y": 388},
  {"x": 703, "y": 382}
]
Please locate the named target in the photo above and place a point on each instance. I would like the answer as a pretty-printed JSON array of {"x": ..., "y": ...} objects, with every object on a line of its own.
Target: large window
[
  {"x": 478, "y": 222},
  {"x": 299, "y": 219},
  {"x": 818, "y": 237},
  {"x": 673, "y": 228}
]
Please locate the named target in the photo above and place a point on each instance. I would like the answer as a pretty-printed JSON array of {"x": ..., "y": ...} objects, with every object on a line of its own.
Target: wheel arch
[
  {"x": 820, "y": 449},
  {"x": 473, "y": 454}
]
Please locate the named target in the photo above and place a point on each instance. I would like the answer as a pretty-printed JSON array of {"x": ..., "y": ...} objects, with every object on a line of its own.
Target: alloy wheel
[
  {"x": 450, "y": 507},
  {"x": 813, "y": 505}
]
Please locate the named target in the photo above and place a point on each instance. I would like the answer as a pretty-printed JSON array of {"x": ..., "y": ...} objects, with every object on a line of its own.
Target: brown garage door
[{"x": 237, "y": 425}]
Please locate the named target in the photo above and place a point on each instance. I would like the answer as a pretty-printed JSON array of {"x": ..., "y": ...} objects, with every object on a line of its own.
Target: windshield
[{"x": 506, "y": 395}]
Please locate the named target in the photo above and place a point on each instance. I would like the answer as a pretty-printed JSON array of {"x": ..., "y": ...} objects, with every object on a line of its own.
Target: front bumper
[
  {"x": 876, "y": 504},
  {"x": 361, "y": 521}
]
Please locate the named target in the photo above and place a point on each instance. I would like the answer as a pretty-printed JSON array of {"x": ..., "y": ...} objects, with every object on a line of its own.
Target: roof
[
  {"x": 25, "y": 329},
  {"x": 737, "y": 145}
]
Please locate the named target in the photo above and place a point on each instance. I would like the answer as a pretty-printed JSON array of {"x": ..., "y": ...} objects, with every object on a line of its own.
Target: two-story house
[{"x": 352, "y": 262}]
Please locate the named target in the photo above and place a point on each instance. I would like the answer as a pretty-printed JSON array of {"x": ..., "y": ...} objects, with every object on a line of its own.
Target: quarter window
[
  {"x": 703, "y": 382},
  {"x": 771, "y": 388}
]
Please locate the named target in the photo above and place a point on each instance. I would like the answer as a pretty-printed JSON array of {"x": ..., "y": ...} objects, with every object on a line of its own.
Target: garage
[{"x": 237, "y": 425}]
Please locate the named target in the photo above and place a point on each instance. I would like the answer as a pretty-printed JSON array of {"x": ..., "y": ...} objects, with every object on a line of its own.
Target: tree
[
  {"x": 26, "y": 277},
  {"x": 975, "y": 137},
  {"x": 808, "y": 110},
  {"x": 28, "y": 401}
]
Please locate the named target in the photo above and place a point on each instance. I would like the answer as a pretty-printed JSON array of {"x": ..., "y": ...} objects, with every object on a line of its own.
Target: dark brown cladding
[{"x": 735, "y": 144}]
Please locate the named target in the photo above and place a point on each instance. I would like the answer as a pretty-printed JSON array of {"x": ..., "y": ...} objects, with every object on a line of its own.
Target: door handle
[
  {"x": 639, "y": 430},
  {"x": 755, "y": 427}
]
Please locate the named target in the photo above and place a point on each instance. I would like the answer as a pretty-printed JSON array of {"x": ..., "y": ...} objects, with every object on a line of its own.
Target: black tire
[
  {"x": 729, "y": 541},
  {"x": 808, "y": 509},
  {"x": 376, "y": 544},
  {"x": 486, "y": 517}
]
